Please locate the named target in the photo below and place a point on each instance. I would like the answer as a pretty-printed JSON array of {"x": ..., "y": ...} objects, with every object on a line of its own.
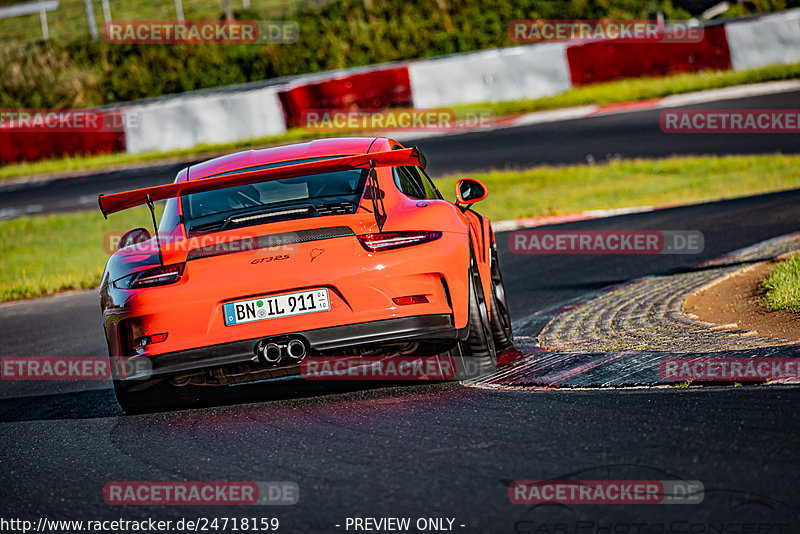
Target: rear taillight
[
  {"x": 149, "y": 340},
  {"x": 390, "y": 240},
  {"x": 411, "y": 299},
  {"x": 157, "y": 276}
]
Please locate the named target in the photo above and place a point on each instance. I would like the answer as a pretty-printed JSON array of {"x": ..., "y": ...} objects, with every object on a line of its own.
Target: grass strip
[
  {"x": 602, "y": 93},
  {"x": 782, "y": 286},
  {"x": 46, "y": 254},
  {"x": 639, "y": 182}
]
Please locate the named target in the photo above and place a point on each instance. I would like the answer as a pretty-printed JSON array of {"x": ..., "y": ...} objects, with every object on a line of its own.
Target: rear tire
[
  {"x": 161, "y": 395},
  {"x": 476, "y": 356},
  {"x": 501, "y": 318},
  {"x": 131, "y": 402}
]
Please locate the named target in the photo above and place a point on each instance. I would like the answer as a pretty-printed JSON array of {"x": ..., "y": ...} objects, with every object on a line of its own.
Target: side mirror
[
  {"x": 470, "y": 191},
  {"x": 133, "y": 237}
]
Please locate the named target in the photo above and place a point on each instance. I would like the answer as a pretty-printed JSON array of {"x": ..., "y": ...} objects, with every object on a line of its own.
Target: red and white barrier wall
[
  {"x": 612, "y": 60},
  {"x": 520, "y": 72},
  {"x": 375, "y": 88},
  {"x": 191, "y": 120}
]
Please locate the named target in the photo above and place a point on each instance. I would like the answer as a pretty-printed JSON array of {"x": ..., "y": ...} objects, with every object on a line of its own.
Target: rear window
[
  {"x": 414, "y": 183},
  {"x": 216, "y": 210}
]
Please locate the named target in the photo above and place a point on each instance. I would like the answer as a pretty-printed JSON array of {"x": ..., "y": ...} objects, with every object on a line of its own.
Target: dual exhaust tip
[{"x": 273, "y": 352}]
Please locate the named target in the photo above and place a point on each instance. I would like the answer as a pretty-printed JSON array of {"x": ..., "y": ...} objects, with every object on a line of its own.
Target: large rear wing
[{"x": 128, "y": 199}]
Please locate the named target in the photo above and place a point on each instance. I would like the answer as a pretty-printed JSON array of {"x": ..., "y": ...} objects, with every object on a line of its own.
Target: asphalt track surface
[
  {"x": 627, "y": 135},
  {"x": 438, "y": 450}
]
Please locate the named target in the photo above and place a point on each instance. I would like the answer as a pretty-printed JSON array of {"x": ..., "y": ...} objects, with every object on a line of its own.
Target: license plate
[{"x": 263, "y": 308}]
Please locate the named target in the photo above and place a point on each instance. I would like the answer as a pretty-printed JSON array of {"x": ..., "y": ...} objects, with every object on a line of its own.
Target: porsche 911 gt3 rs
[{"x": 332, "y": 247}]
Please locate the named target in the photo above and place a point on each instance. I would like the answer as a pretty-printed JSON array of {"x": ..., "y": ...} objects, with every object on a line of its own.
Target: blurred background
[{"x": 52, "y": 52}]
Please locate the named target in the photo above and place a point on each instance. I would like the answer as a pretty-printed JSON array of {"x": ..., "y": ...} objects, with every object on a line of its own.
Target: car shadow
[
  {"x": 74, "y": 405},
  {"x": 102, "y": 403}
]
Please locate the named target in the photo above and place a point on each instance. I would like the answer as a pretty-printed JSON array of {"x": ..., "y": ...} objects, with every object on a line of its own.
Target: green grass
[
  {"x": 68, "y": 22},
  {"x": 618, "y": 184},
  {"x": 604, "y": 93},
  {"x": 42, "y": 255},
  {"x": 782, "y": 286}
]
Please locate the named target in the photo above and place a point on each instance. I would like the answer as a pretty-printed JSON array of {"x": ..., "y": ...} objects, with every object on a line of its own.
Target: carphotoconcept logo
[
  {"x": 730, "y": 121},
  {"x": 573, "y": 502},
  {"x": 606, "y": 242},
  {"x": 274, "y": 493},
  {"x": 201, "y": 32},
  {"x": 584, "y": 30}
]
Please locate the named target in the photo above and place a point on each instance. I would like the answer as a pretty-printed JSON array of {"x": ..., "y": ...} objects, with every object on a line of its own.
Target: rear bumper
[
  {"x": 435, "y": 328},
  {"x": 361, "y": 286}
]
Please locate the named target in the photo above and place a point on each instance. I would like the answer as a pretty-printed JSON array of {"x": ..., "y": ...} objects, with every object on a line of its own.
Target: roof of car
[{"x": 341, "y": 146}]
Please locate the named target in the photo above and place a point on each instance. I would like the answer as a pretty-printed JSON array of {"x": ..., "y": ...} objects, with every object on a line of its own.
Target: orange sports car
[{"x": 334, "y": 247}]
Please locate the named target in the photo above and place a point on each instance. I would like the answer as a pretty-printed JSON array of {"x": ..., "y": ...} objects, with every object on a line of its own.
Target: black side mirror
[
  {"x": 133, "y": 237},
  {"x": 470, "y": 191}
]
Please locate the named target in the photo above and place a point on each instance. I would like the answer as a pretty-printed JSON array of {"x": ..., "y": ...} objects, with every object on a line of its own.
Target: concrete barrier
[
  {"x": 499, "y": 75},
  {"x": 767, "y": 40},
  {"x": 204, "y": 119}
]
